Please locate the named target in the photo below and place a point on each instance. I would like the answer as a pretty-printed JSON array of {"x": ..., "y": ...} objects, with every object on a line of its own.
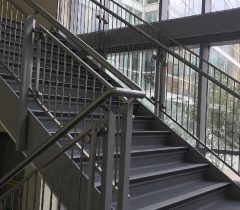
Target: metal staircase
[{"x": 89, "y": 143}]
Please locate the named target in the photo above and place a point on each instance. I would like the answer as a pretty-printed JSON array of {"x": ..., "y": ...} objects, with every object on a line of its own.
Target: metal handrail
[
  {"x": 162, "y": 46},
  {"x": 177, "y": 43},
  {"x": 76, "y": 40},
  {"x": 67, "y": 147},
  {"x": 73, "y": 122},
  {"x": 70, "y": 52}
]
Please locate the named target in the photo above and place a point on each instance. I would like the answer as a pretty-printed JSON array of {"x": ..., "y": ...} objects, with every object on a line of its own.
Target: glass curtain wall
[
  {"x": 146, "y": 9},
  {"x": 183, "y": 8},
  {"x": 219, "y": 5},
  {"x": 182, "y": 91},
  {"x": 224, "y": 118}
]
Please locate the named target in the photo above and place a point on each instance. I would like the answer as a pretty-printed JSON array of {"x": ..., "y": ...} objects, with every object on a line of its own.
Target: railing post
[
  {"x": 26, "y": 80},
  {"x": 125, "y": 155},
  {"x": 157, "y": 83},
  {"x": 107, "y": 165},
  {"x": 92, "y": 160},
  {"x": 202, "y": 95},
  {"x": 160, "y": 83}
]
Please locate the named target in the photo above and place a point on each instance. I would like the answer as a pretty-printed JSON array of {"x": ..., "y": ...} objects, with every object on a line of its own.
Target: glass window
[
  {"x": 151, "y": 16},
  {"x": 218, "y": 5},
  {"x": 183, "y": 8},
  {"x": 227, "y": 58},
  {"x": 151, "y": 1}
]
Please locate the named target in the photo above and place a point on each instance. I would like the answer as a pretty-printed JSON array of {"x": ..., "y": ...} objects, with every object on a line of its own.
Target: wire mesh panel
[{"x": 11, "y": 37}]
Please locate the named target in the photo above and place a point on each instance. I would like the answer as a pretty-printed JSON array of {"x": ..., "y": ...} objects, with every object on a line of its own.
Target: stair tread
[
  {"x": 223, "y": 205},
  {"x": 153, "y": 149},
  {"x": 167, "y": 198},
  {"x": 163, "y": 169},
  {"x": 148, "y": 132}
]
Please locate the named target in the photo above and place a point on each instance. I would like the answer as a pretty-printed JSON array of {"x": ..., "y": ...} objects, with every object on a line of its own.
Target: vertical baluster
[
  {"x": 172, "y": 81},
  {"x": 43, "y": 188},
  {"x": 26, "y": 193},
  {"x": 20, "y": 46},
  {"x": 63, "y": 89},
  {"x": 51, "y": 185},
  {"x": 219, "y": 116},
  {"x": 80, "y": 174},
  {"x": 44, "y": 69},
  {"x": 15, "y": 43},
  {"x": 5, "y": 34},
  {"x": 195, "y": 85},
  {"x": 70, "y": 178},
  {"x": 58, "y": 73},
  {"x": 19, "y": 200},
  {"x": 60, "y": 183},
  {"x": 50, "y": 80},
  {"x": 183, "y": 89},
  {"x": 11, "y": 50},
  {"x": 226, "y": 124},
  {"x": 178, "y": 75},
  {"x": 35, "y": 190},
  {"x": 189, "y": 95}
]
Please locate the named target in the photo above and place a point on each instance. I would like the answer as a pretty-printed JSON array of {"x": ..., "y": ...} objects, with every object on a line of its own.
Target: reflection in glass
[
  {"x": 218, "y": 5},
  {"x": 183, "y": 8}
]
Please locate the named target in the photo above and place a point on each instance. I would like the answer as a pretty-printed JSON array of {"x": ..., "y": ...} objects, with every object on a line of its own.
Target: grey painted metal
[
  {"x": 163, "y": 78},
  {"x": 202, "y": 96},
  {"x": 26, "y": 78},
  {"x": 44, "y": 30},
  {"x": 62, "y": 131},
  {"x": 165, "y": 48},
  {"x": 125, "y": 155},
  {"x": 91, "y": 171},
  {"x": 158, "y": 81},
  {"x": 38, "y": 65},
  {"x": 84, "y": 46},
  {"x": 107, "y": 165}
]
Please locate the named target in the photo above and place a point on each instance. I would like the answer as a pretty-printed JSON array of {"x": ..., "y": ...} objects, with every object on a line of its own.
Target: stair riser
[
  {"x": 205, "y": 201},
  {"x": 168, "y": 158},
  {"x": 150, "y": 140},
  {"x": 166, "y": 182}
]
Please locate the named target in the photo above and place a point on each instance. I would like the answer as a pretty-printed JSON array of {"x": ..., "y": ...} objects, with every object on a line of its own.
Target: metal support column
[
  {"x": 92, "y": 161},
  {"x": 202, "y": 95},
  {"x": 125, "y": 155},
  {"x": 107, "y": 166},
  {"x": 26, "y": 79}
]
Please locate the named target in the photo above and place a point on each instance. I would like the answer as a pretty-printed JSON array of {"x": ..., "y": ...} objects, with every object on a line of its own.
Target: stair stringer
[{"x": 37, "y": 135}]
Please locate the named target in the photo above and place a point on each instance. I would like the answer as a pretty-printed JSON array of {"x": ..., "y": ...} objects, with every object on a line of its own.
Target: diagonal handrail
[
  {"x": 76, "y": 40},
  {"x": 63, "y": 130},
  {"x": 165, "y": 48}
]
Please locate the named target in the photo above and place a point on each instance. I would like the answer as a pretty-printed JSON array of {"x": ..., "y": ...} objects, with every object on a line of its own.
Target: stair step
[
  {"x": 143, "y": 174},
  {"x": 153, "y": 149},
  {"x": 170, "y": 198},
  {"x": 214, "y": 201}
]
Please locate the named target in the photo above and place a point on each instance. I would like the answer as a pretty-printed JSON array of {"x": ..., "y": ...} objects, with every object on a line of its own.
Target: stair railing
[
  {"x": 59, "y": 80},
  {"x": 156, "y": 33},
  {"x": 203, "y": 104}
]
